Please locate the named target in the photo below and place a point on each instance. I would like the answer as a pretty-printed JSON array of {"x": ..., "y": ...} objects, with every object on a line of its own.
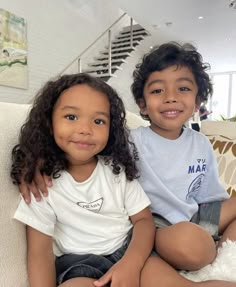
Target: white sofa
[{"x": 12, "y": 236}]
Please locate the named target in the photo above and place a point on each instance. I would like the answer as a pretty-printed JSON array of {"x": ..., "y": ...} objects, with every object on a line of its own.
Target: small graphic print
[
  {"x": 199, "y": 167},
  {"x": 195, "y": 186},
  {"x": 93, "y": 206}
]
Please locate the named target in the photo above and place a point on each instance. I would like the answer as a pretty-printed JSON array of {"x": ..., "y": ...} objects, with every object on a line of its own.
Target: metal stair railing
[{"x": 77, "y": 65}]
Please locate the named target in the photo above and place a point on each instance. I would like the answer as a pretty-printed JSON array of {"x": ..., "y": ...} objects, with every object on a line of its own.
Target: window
[
  {"x": 220, "y": 98},
  {"x": 233, "y": 97}
]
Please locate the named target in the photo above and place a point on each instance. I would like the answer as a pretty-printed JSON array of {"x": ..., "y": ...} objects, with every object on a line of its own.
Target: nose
[
  {"x": 170, "y": 96},
  {"x": 83, "y": 128}
]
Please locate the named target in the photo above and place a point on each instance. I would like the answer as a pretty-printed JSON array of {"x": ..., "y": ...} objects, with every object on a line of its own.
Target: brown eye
[
  {"x": 184, "y": 89},
  {"x": 156, "y": 91},
  {"x": 71, "y": 117},
  {"x": 99, "y": 122}
]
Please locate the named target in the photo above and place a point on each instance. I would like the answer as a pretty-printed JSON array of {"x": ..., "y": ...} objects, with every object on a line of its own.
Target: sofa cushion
[
  {"x": 12, "y": 236},
  {"x": 135, "y": 121},
  {"x": 222, "y": 136}
]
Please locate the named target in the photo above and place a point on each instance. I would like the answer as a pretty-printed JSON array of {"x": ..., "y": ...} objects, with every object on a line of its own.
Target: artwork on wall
[{"x": 13, "y": 51}]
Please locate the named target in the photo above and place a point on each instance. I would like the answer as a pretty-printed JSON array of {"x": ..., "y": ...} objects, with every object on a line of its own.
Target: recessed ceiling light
[
  {"x": 156, "y": 26},
  {"x": 200, "y": 17},
  {"x": 169, "y": 24}
]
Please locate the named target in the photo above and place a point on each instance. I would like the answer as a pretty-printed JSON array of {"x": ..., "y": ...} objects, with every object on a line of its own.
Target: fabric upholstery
[
  {"x": 12, "y": 235},
  {"x": 222, "y": 136},
  {"x": 13, "y": 271}
]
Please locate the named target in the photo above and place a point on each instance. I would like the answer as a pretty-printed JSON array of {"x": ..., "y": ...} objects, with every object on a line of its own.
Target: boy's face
[{"x": 170, "y": 97}]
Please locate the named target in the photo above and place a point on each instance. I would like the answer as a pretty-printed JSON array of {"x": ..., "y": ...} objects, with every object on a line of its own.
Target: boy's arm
[
  {"x": 40, "y": 259},
  {"x": 128, "y": 269},
  {"x": 40, "y": 182}
]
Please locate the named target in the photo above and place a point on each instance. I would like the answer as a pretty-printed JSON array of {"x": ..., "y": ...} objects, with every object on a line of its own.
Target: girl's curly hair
[
  {"x": 37, "y": 148},
  {"x": 172, "y": 54}
]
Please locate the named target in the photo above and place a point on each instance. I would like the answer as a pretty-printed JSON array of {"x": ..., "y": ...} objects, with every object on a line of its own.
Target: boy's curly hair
[
  {"x": 37, "y": 148},
  {"x": 172, "y": 54}
]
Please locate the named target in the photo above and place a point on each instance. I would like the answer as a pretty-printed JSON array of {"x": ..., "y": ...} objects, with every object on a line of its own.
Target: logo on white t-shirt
[{"x": 93, "y": 206}]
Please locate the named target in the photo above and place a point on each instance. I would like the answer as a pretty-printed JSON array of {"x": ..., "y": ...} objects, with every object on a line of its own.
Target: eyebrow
[
  {"x": 77, "y": 109},
  {"x": 185, "y": 79},
  {"x": 178, "y": 80}
]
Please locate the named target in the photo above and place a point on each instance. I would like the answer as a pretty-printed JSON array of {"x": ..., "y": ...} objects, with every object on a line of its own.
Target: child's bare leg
[
  {"x": 157, "y": 272},
  {"x": 185, "y": 245},
  {"x": 78, "y": 282},
  {"x": 227, "y": 225}
]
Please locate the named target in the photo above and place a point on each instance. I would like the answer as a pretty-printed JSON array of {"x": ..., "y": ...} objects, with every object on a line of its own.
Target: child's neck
[
  {"x": 82, "y": 171},
  {"x": 171, "y": 135}
]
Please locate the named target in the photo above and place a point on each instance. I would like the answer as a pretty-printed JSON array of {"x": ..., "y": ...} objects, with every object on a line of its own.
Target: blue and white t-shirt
[{"x": 177, "y": 175}]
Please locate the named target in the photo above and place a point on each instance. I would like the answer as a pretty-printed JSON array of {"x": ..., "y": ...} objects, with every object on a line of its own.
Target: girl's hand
[
  {"x": 40, "y": 182},
  {"x": 122, "y": 274}
]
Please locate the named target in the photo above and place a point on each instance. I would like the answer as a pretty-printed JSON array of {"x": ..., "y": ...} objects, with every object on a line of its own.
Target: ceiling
[{"x": 208, "y": 24}]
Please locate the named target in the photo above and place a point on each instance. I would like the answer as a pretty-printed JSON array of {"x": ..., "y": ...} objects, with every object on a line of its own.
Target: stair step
[
  {"x": 135, "y": 31},
  {"x": 127, "y": 36},
  {"x": 105, "y": 63},
  {"x": 135, "y": 39},
  {"x": 104, "y": 75},
  {"x": 101, "y": 69},
  {"x": 118, "y": 50},
  {"x": 123, "y": 45},
  {"x": 114, "y": 56}
]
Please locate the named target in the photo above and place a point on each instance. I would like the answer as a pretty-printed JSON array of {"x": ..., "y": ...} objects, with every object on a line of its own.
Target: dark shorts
[
  {"x": 70, "y": 266},
  {"x": 208, "y": 217}
]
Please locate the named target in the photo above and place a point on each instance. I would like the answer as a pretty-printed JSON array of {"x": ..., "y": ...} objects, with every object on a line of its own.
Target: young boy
[
  {"x": 178, "y": 170},
  {"x": 177, "y": 167}
]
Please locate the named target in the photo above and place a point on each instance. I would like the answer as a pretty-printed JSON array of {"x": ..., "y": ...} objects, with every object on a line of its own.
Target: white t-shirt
[
  {"x": 86, "y": 217},
  {"x": 177, "y": 175}
]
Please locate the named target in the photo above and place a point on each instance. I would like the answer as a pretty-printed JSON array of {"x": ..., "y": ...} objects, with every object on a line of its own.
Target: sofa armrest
[{"x": 13, "y": 271}]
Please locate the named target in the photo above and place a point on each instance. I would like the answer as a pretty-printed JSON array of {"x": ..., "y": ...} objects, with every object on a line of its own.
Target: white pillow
[{"x": 135, "y": 121}]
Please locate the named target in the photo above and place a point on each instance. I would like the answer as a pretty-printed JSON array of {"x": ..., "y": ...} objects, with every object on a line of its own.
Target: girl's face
[
  {"x": 81, "y": 123},
  {"x": 170, "y": 97}
]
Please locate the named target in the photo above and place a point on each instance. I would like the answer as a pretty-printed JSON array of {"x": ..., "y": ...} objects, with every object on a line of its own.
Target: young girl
[{"x": 76, "y": 128}]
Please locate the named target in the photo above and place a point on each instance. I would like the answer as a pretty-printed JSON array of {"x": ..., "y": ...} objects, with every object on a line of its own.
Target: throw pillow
[{"x": 225, "y": 151}]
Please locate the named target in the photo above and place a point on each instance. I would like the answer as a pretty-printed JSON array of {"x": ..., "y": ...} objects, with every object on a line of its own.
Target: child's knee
[
  {"x": 227, "y": 214},
  {"x": 196, "y": 256},
  {"x": 185, "y": 245}
]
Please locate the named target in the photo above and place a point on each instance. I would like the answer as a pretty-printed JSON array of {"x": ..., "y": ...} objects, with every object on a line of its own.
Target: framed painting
[{"x": 13, "y": 50}]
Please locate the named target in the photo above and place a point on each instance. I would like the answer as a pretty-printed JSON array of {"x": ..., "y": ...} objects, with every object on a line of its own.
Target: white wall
[
  {"x": 124, "y": 79},
  {"x": 57, "y": 31}
]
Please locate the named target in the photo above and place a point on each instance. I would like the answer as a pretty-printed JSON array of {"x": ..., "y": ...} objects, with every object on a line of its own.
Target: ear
[
  {"x": 197, "y": 106},
  {"x": 198, "y": 103},
  {"x": 142, "y": 106}
]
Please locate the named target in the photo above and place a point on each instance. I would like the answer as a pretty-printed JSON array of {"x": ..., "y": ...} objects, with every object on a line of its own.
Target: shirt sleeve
[
  {"x": 135, "y": 198},
  {"x": 38, "y": 215},
  {"x": 212, "y": 188}
]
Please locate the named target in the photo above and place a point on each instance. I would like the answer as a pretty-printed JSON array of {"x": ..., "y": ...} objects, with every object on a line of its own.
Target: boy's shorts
[
  {"x": 207, "y": 217},
  {"x": 70, "y": 266}
]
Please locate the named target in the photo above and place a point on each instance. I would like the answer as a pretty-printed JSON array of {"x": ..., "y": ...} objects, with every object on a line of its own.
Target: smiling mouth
[
  {"x": 171, "y": 114},
  {"x": 83, "y": 145}
]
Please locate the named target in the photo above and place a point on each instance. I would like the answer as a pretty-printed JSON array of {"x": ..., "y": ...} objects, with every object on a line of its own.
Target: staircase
[{"x": 120, "y": 49}]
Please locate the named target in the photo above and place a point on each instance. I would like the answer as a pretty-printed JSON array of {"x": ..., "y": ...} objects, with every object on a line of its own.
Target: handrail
[{"x": 79, "y": 56}]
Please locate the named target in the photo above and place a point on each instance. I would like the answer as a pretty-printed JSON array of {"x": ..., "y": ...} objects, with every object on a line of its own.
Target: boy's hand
[
  {"x": 122, "y": 274},
  {"x": 41, "y": 182}
]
